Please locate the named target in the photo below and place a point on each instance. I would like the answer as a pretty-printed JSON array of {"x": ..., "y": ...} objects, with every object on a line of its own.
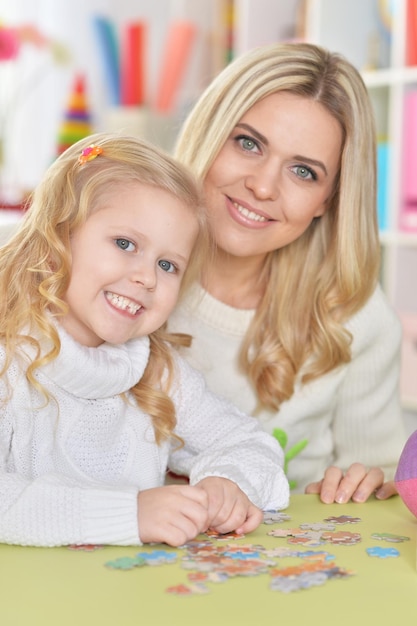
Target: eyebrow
[{"x": 264, "y": 140}]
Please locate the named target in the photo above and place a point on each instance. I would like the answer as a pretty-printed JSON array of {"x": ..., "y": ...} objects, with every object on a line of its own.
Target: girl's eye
[
  {"x": 167, "y": 266},
  {"x": 305, "y": 172},
  {"x": 247, "y": 143},
  {"x": 125, "y": 244}
]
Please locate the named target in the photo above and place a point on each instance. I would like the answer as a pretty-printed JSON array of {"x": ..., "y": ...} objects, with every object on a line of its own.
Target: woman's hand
[
  {"x": 228, "y": 507},
  {"x": 173, "y": 514},
  {"x": 357, "y": 484}
]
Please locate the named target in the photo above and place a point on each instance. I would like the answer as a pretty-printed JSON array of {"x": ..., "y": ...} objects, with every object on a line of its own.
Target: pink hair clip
[{"x": 89, "y": 153}]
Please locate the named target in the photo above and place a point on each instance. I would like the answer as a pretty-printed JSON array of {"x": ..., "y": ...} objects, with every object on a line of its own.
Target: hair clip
[{"x": 90, "y": 153}]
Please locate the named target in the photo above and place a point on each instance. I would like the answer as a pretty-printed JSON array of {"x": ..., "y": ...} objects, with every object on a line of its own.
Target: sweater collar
[
  {"x": 101, "y": 372},
  {"x": 203, "y": 306}
]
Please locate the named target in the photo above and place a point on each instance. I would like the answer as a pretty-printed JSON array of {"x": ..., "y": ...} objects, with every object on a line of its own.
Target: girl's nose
[
  {"x": 263, "y": 181},
  {"x": 145, "y": 275}
]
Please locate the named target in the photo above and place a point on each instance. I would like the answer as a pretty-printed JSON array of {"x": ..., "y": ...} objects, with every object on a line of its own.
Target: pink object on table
[{"x": 406, "y": 474}]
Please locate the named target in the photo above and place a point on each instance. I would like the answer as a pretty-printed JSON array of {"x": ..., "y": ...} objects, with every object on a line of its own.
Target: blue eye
[
  {"x": 125, "y": 244},
  {"x": 247, "y": 143},
  {"x": 167, "y": 266},
  {"x": 305, "y": 172}
]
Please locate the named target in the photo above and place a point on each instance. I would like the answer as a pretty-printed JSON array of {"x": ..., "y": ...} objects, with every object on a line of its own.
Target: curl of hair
[
  {"x": 35, "y": 264},
  {"x": 314, "y": 284}
]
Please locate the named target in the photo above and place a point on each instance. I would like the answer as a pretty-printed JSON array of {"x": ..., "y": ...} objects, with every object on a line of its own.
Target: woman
[{"x": 289, "y": 321}]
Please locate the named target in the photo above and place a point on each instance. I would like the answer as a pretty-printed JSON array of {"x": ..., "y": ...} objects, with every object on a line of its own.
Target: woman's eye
[
  {"x": 247, "y": 143},
  {"x": 167, "y": 266},
  {"x": 305, "y": 172},
  {"x": 125, "y": 244}
]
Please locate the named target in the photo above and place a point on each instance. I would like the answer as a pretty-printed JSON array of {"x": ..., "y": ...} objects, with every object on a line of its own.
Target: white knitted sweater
[
  {"x": 352, "y": 414},
  {"x": 70, "y": 470}
]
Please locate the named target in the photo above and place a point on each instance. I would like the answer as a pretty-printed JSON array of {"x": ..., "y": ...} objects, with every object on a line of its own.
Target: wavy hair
[
  {"x": 35, "y": 264},
  {"x": 314, "y": 284}
]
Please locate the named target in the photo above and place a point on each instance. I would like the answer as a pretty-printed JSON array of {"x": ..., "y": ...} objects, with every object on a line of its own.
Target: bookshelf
[{"x": 380, "y": 39}]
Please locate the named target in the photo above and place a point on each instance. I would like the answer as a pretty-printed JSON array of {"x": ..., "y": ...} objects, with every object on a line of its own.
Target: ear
[{"x": 322, "y": 209}]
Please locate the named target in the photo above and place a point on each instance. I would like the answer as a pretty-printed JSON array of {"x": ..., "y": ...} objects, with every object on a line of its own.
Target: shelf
[
  {"x": 390, "y": 77},
  {"x": 398, "y": 239}
]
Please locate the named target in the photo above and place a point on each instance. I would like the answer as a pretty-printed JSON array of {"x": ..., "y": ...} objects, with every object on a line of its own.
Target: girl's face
[
  {"x": 128, "y": 261},
  {"x": 274, "y": 174}
]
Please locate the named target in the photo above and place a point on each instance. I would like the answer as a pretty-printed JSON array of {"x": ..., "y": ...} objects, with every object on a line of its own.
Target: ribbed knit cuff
[{"x": 110, "y": 517}]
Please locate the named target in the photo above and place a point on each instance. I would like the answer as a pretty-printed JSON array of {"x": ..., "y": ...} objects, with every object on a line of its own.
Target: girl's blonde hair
[
  {"x": 316, "y": 283},
  {"x": 35, "y": 265}
]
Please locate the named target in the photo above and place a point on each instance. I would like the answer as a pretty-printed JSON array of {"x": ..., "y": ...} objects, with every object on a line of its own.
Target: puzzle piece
[
  {"x": 275, "y": 517},
  {"x": 84, "y": 547},
  {"x": 188, "y": 590},
  {"x": 343, "y": 519},
  {"x": 389, "y": 537},
  {"x": 382, "y": 553},
  {"x": 342, "y": 537},
  {"x": 317, "y": 526},
  {"x": 125, "y": 563},
  {"x": 223, "y": 536},
  {"x": 157, "y": 557}
]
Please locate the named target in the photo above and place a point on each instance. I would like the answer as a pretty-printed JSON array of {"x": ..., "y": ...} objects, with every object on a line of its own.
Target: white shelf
[
  {"x": 397, "y": 238},
  {"x": 389, "y": 77}
]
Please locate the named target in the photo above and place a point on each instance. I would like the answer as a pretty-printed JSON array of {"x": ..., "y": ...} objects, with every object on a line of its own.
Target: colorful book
[
  {"x": 382, "y": 185},
  {"x": 408, "y": 209}
]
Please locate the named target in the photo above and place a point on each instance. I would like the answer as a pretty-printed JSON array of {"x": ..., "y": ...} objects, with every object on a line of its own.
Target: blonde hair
[
  {"x": 316, "y": 283},
  {"x": 35, "y": 265}
]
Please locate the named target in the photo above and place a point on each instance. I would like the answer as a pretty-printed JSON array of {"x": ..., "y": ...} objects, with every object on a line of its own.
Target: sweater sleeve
[
  {"x": 368, "y": 425},
  {"x": 219, "y": 440},
  {"x": 54, "y": 510}
]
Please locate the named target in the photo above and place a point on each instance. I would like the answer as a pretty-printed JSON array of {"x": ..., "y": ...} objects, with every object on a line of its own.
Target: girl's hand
[
  {"x": 356, "y": 484},
  {"x": 173, "y": 514},
  {"x": 229, "y": 509}
]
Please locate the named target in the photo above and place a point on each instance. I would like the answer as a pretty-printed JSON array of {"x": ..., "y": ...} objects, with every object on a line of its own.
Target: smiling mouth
[
  {"x": 250, "y": 215},
  {"x": 122, "y": 303}
]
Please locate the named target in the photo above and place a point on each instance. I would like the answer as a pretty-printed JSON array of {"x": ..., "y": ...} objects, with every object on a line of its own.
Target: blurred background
[{"x": 69, "y": 68}]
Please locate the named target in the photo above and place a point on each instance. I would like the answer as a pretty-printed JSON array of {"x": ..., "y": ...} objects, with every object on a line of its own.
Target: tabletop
[{"x": 315, "y": 564}]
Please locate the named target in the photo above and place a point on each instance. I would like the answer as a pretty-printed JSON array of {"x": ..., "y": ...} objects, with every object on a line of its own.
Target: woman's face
[{"x": 273, "y": 175}]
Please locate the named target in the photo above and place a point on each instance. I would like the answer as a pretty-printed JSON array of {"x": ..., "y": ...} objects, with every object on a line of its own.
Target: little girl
[{"x": 96, "y": 403}]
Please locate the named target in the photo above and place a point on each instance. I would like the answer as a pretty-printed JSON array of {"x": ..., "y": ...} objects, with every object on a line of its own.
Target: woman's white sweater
[{"x": 352, "y": 414}]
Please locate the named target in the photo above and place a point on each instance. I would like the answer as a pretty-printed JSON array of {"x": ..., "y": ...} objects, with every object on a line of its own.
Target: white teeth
[
  {"x": 250, "y": 214},
  {"x": 122, "y": 303}
]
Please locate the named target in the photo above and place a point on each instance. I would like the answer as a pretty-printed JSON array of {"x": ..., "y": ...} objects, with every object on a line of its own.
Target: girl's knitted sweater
[{"x": 71, "y": 468}]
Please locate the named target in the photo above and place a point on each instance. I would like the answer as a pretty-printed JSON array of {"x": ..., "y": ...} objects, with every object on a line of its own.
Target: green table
[{"x": 63, "y": 587}]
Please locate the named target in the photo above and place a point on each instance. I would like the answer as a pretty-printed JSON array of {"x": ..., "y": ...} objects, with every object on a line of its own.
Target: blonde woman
[
  {"x": 95, "y": 401},
  {"x": 289, "y": 321}
]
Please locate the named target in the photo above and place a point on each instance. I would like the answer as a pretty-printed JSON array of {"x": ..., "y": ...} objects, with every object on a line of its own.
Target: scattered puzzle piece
[
  {"x": 85, "y": 547},
  {"x": 275, "y": 517},
  {"x": 342, "y": 537},
  {"x": 389, "y": 537},
  {"x": 223, "y": 536},
  {"x": 157, "y": 557},
  {"x": 382, "y": 553},
  {"x": 343, "y": 519},
  {"x": 125, "y": 563}
]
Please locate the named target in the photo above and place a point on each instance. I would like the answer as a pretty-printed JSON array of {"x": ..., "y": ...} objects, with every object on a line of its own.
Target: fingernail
[
  {"x": 359, "y": 497},
  {"x": 341, "y": 498},
  {"x": 327, "y": 498}
]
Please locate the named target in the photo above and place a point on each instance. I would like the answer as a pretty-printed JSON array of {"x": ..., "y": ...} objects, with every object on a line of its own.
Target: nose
[
  {"x": 145, "y": 274},
  {"x": 263, "y": 181}
]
